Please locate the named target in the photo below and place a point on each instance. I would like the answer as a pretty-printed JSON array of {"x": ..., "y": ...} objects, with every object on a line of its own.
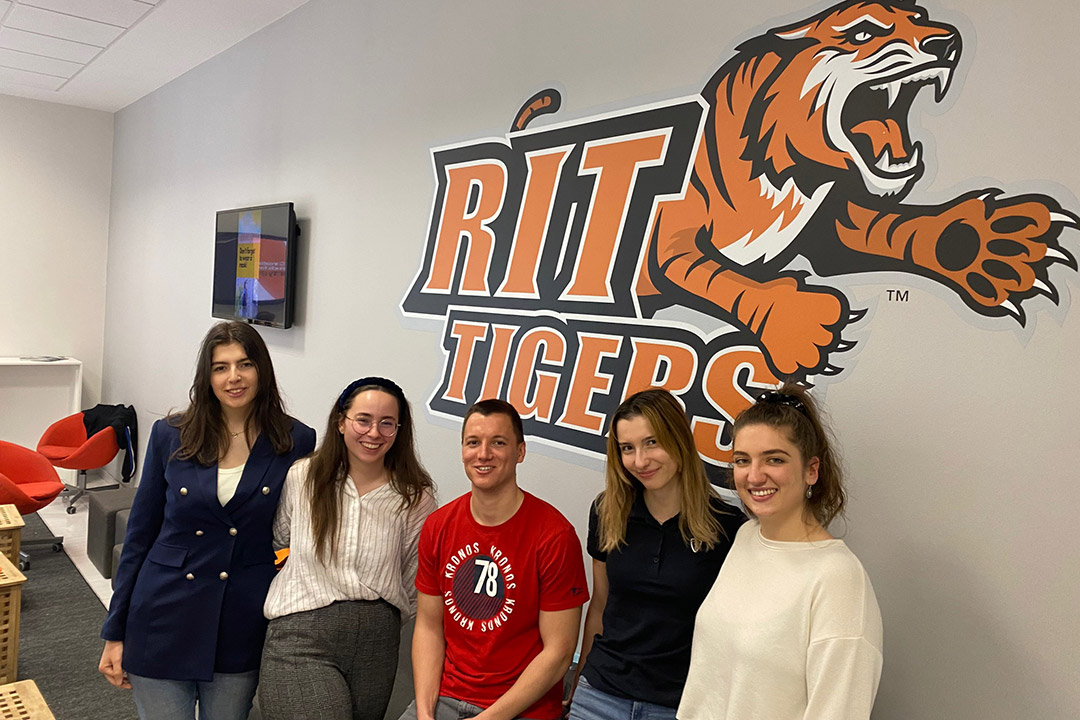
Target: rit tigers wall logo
[{"x": 550, "y": 251}]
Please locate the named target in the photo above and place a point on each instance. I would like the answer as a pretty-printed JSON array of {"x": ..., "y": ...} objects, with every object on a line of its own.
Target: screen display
[{"x": 253, "y": 264}]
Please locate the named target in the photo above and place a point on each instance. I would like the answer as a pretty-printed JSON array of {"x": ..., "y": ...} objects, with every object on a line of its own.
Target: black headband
[
  {"x": 380, "y": 382},
  {"x": 774, "y": 397}
]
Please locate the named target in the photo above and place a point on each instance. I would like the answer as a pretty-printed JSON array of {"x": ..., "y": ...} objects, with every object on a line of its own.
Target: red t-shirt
[{"x": 494, "y": 581}]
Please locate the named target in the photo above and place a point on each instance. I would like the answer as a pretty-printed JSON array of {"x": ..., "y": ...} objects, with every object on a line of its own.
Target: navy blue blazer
[{"x": 193, "y": 575}]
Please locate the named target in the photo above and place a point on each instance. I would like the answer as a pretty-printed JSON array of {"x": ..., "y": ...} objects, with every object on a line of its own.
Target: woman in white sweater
[
  {"x": 351, "y": 515},
  {"x": 791, "y": 629}
]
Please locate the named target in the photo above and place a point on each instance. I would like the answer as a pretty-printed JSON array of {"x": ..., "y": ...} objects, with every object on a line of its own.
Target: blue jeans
[
  {"x": 592, "y": 704},
  {"x": 447, "y": 708},
  {"x": 227, "y": 697}
]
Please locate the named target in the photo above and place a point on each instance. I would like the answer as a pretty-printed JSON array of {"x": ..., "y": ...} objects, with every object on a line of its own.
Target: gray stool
[
  {"x": 101, "y": 526},
  {"x": 120, "y": 532},
  {"x": 402, "y": 694}
]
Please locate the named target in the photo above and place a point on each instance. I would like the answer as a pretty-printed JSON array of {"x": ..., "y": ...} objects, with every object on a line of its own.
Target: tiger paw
[
  {"x": 999, "y": 250},
  {"x": 798, "y": 327}
]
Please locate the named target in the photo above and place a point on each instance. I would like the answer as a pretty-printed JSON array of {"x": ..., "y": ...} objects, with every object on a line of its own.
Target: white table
[{"x": 35, "y": 393}]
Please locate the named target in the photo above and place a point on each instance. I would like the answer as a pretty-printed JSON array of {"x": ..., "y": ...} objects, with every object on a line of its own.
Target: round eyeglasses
[{"x": 387, "y": 428}]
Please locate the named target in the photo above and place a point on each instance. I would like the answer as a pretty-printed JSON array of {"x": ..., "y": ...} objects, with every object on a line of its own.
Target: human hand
[{"x": 110, "y": 665}]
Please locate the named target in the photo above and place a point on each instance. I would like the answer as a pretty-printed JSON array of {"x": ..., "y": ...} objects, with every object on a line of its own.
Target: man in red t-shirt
[{"x": 501, "y": 584}]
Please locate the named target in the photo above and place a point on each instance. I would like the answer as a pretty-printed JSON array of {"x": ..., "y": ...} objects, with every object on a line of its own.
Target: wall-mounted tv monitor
[{"x": 255, "y": 265}]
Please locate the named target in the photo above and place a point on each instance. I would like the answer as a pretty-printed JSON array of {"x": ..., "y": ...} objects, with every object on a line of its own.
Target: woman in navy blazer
[{"x": 186, "y": 624}]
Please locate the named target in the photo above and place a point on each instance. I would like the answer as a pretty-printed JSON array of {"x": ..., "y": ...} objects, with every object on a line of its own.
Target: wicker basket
[
  {"x": 11, "y": 525},
  {"x": 23, "y": 700},
  {"x": 11, "y": 581}
]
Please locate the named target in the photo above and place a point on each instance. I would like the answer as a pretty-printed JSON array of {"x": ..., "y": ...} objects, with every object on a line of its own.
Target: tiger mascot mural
[{"x": 806, "y": 151}]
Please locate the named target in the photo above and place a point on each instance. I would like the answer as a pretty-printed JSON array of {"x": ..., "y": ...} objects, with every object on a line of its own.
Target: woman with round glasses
[
  {"x": 351, "y": 516},
  {"x": 791, "y": 628}
]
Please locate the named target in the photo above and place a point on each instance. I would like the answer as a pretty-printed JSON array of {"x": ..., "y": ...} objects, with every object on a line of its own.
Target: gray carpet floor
[{"x": 59, "y": 647}]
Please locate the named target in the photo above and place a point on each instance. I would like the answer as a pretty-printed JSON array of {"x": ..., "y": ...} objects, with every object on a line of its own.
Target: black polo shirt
[{"x": 655, "y": 585}]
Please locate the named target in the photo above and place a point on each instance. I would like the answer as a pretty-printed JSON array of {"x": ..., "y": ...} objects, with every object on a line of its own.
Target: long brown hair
[
  {"x": 792, "y": 411},
  {"x": 203, "y": 433},
  {"x": 329, "y": 468},
  {"x": 672, "y": 430}
]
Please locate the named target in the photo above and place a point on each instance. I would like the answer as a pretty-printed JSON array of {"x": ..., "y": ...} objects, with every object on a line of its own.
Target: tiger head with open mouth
[{"x": 838, "y": 92}]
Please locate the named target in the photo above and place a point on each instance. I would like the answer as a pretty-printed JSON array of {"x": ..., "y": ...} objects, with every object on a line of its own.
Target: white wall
[
  {"x": 959, "y": 434},
  {"x": 55, "y": 176}
]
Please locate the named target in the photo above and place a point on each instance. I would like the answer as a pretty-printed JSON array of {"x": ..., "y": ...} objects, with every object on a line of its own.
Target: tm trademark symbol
[{"x": 898, "y": 295}]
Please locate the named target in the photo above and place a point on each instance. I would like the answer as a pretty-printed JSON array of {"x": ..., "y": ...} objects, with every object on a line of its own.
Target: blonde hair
[{"x": 672, "y": 430}]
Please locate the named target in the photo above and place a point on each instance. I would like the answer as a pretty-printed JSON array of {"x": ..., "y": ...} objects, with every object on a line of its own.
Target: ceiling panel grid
[{"x": 46, "y": 43}]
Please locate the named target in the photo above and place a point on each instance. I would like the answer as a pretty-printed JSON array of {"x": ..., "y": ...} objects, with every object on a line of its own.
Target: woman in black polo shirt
[{"x": 657, "y": 535}]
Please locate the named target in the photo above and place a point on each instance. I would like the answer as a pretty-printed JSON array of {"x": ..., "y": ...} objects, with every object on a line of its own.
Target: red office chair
[
  {"x": 29, "y": 482},
  {"x": 65, "y": 444}
]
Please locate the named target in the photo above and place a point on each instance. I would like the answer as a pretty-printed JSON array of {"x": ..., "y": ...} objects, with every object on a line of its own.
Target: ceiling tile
[
  {"x": 36, "y": 63},
  {"x": 37, "y": 80},
  {"x": 114, "y": 12},
  {"x": 23, "y": 17},
  {"x": 122, "y": 65},
  {"x": 48, "y": 46}
]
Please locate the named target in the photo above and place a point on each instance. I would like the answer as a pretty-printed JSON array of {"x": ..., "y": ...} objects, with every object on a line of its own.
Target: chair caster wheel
[
  {"x": 71, "y": 509},
  {"x": 24, "y": 565},
  {"x": 57, "y": 547}
]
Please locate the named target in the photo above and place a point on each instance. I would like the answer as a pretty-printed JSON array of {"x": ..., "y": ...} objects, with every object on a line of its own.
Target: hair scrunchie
[{"x": 774, "y": 397}]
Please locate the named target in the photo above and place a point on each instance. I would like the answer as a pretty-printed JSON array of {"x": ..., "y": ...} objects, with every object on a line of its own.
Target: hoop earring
[{"x": 809, "y": 491}]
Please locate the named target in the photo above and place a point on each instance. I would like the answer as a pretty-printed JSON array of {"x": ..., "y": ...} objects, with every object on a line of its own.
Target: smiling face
[
  {"x": 370, "y": 407},
  {"x": 642, "y": 455},
  {"x": 772, "y": 477},
  {"x": 491, "y": 452},
  {"x": 233, "y": 378}
]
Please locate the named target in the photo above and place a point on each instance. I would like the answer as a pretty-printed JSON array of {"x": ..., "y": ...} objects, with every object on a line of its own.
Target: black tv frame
[{"x": 291, "y": 254}]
